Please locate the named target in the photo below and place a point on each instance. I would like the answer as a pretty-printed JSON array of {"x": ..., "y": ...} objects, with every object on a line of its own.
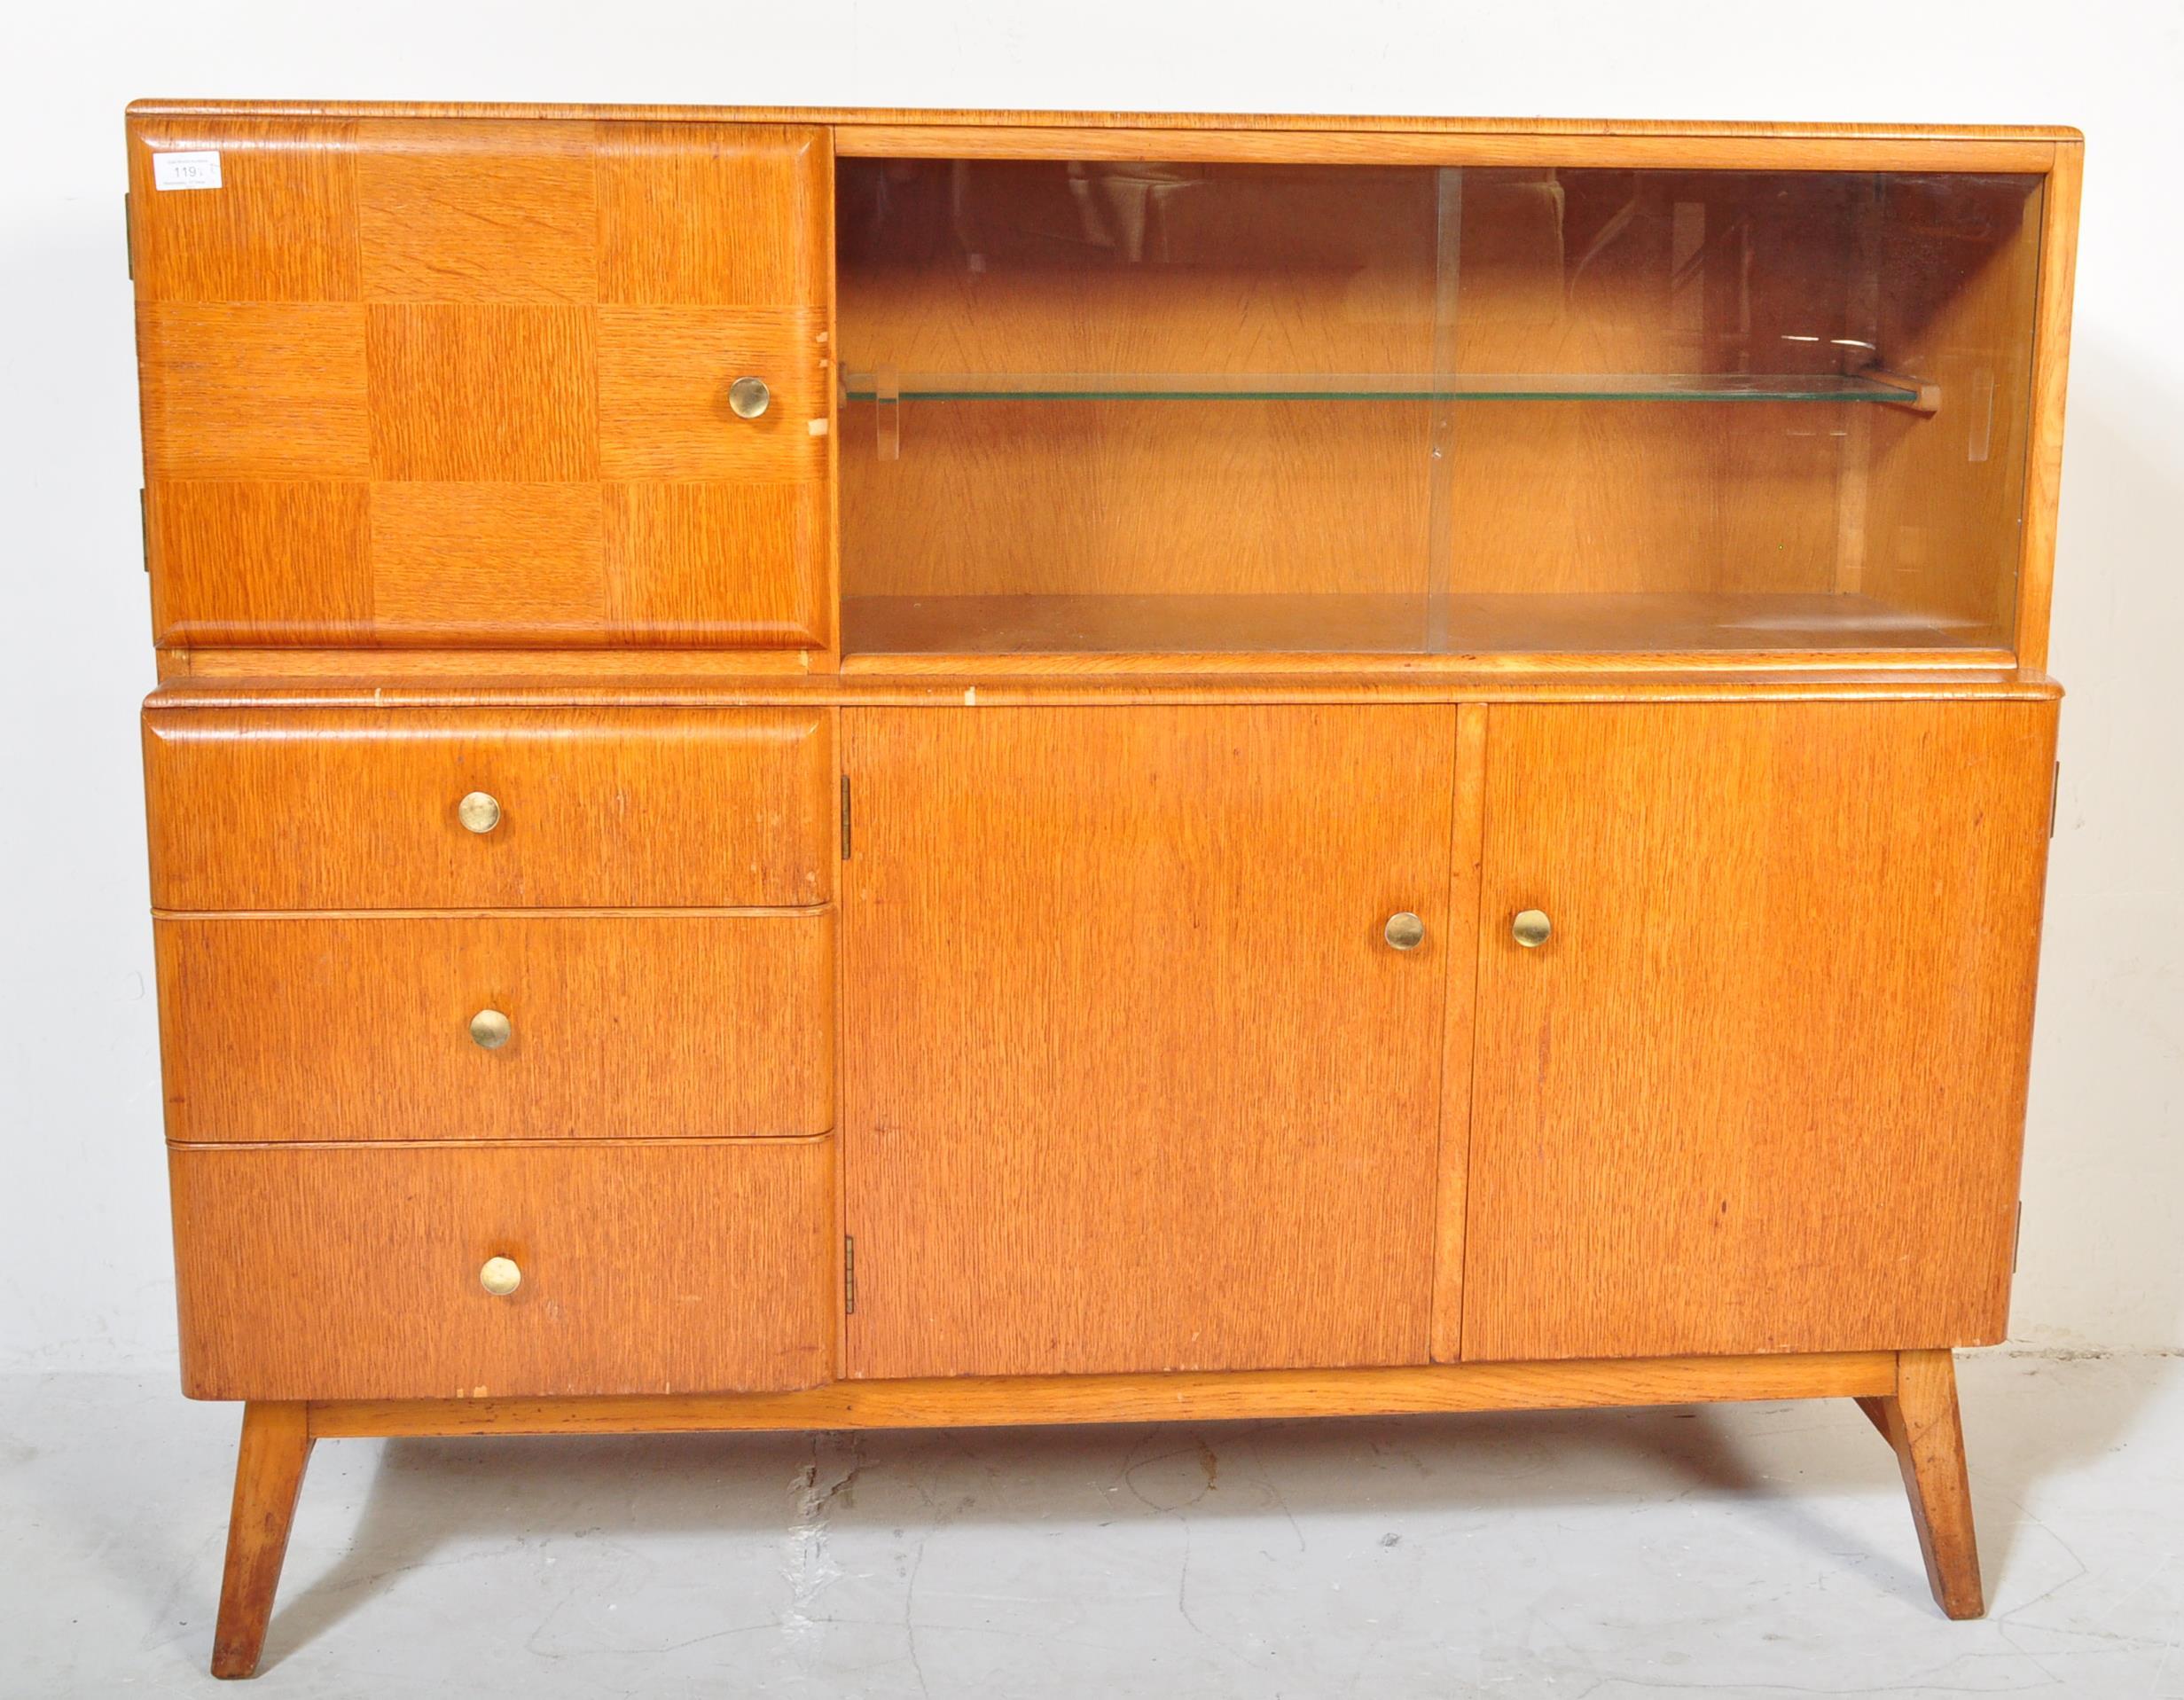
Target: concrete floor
[{"x": 1758, "y": 1550}]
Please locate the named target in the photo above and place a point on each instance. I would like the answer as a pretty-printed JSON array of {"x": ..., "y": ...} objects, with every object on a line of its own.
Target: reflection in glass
[{"x": 1131, "y": 408}]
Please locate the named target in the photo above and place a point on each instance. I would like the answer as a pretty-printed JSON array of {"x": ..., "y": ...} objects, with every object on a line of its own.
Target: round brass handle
[
  {"x": 1404, "y": 931},
  {"x": 747, "y": 397},
  {"x": 1531, "y": 927},
  {"x": 500, "y": 1276},
  {"x": 490, "y": 1029},
  {"x": 479, "y": 811}
]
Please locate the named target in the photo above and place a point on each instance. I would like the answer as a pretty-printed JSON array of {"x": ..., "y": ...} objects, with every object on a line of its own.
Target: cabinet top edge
[
  {"x": 928, "y": 692},
  {"x": 982, "y": 118}
]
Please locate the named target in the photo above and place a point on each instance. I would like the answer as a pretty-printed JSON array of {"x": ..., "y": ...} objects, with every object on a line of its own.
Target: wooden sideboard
[{"x": 825, "y": 769}]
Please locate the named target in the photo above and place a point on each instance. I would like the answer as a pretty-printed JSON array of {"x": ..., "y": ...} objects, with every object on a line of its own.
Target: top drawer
[
  {"x": 616, "y": 808},
  {"x": 483, "y": 382}
]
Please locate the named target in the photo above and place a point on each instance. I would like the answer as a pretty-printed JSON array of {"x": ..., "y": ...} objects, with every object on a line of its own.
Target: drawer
[
  {"x": 681, "y": 1027},
  {"x": 330, "y": 809},
  {"x": 358, "y": 1272}
]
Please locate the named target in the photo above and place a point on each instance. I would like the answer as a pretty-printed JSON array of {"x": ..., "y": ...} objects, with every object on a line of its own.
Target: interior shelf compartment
[
  {"x": 1639, "y": 623},
  {"x": 1889, "y": 388},
  {"x": 1745, "y": 418}
]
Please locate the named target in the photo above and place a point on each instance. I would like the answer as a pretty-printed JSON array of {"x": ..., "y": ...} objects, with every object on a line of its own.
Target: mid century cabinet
[{"x": 817, "y": 769}]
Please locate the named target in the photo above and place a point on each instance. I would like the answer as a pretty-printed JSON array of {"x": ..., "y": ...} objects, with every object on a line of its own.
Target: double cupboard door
[{"x": 1208, "y": 1037}]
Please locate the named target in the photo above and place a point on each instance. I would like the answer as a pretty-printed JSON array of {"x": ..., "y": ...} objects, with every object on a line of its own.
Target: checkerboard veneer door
[{"x": 467, "y": 381}]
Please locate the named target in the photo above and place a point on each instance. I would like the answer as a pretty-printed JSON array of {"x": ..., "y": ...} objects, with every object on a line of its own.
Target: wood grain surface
[
  {"x": 2051, "y": 366},
  {"x": 974, "y": 1401},
  {"x": 348, "y": 1272},
  {"x": 483, "y": 671},
  {"x": 1920, "y": 1420},
  {"x": 279, "y": 810},
  {"x": 622, "y": 1026},
  {"x": 1524, "y": 143},
  {"x": 413, "y": 381},
  {"x": 971, "y": 634},
  {"x": 1467, "y": 835},
  {"x": 1763, "y": 1088},
  {"x": 270, "y": 1462},
  {"x": 234, "y": 680},
  {"x": 1134, "y": 1082},
  {"x": 1009, "y": 117}
]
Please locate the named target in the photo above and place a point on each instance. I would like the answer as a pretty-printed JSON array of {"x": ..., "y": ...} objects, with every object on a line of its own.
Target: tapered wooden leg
[
  {"x": 269, "y": 1474},
  {"x": 1921, "y": 1422}
]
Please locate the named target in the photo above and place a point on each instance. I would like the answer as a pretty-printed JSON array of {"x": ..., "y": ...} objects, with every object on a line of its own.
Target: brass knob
[
  {"x": 479, "y": 811},
  {"x": 1531, "y": 927},
  {"x": 747, "y": 397},
  {"x": 500, "y": 1276},
  {"x": 490, "y": 1029},
  {"x": 1404, "y": 931}
]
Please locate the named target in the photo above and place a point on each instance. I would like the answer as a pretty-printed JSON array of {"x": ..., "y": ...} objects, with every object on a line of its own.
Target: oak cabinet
[{"x": 837, "y": 768}]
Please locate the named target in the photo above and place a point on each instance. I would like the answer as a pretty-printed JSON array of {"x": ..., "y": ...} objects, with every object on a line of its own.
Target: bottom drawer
[{"x": 340, "y": 1272}]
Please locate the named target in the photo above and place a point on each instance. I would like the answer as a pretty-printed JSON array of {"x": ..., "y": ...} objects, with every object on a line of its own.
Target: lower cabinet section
[
  {"x": 475, "y": 1027},
  {"x": 1145, "y": 1010},
  {"x": 1182, "y": 1038},
  {"x": 419, "y": 1271}
]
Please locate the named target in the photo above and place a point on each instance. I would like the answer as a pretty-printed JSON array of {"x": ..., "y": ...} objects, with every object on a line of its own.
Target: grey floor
[{"x": 1757, "y": 1550}]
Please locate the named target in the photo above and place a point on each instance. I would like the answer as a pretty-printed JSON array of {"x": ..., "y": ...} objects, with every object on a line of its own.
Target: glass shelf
[{"x": 1888, "y": 388}]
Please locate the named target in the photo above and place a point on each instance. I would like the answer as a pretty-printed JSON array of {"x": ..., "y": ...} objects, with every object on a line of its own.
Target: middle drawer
[{"x": 497, "y": 1026}]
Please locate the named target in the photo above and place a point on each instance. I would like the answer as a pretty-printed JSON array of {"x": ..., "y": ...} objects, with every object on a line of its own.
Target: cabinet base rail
[{"x": 1910, "y": 1397}]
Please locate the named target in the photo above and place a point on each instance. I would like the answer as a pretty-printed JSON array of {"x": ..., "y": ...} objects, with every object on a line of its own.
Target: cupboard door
[
  {"x": 1136, "y": 1080},
  {"x": 1762, "y": 1088},
  {"x": 467, "y": 381}
]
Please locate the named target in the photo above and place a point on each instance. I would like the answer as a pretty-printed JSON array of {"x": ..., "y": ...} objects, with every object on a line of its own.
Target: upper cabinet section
[
  {"x": 479, "y": 382},
  {"x": 1116, "y": 406},
  {"x": 1101, "y": 394}
]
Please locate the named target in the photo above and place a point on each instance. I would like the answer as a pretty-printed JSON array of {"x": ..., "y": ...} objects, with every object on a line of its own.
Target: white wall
[{"x": 84, "y": 1278}]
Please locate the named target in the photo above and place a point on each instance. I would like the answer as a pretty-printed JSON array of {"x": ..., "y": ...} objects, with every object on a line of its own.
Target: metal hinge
[
  {"x": 2054, "y": 801},
  {"x": 129, "y": 238},
  {"x": 845, "y": 816},
  {"x": 2017, "y": 1237},
  {"x": 849, "y": 1275}
]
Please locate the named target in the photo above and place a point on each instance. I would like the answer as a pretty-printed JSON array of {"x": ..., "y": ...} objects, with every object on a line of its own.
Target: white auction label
[{"x": 185, "y": 170}]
